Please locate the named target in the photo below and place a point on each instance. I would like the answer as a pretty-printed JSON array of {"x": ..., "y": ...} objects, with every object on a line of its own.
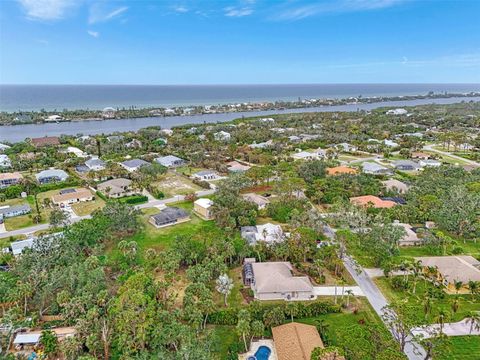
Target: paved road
[
  {"x": 339, "y": 290},
  {"x": 413, "y": 350},
  {"x": 461, "y": 328},
  {"x": 149, "y": 204},
  {"x": 445, "y": 153}
]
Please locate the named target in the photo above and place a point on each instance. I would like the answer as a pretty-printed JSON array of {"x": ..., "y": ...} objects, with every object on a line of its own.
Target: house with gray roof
[
  {"x": 170, "y": 161},
  {"x": 116, "y": 188},
  {"x": 169, "y": 216},
  {"x": 406, "y": 165},
  {"x": 206, "y": 175},
  {"x": 12, "y": 211},
  {"x": 95, "y": 164},
  {"x": 134, "y": 164},
  {"x": 375, "y": 169},
  {"x": 51, "y": 175}
]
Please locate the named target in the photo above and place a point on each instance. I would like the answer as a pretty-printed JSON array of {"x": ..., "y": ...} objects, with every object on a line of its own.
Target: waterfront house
[
  {"x": 275, "y": 281},
  {"x": 169, "y": 216},
  {"x": 134, "y": 164},
  {"x": 170, "y": 161},
  {"x": 45, "y": 141},
  {"x": 8, "y": 179},
  {"x": 450, "y": 269},
  {"x": 71, "y": 196},
  {"x": 51, "y": 175},
  {"x": 116, "y": 188},
  {"x": 3, "y": 147},
  {"x": 203, "y": 208},
  {"x": 372, "y": 201},
  {"x": 260, "y": 201},
  {"x": 398, "y": 111},
  {"x": 5, "y": 161}
]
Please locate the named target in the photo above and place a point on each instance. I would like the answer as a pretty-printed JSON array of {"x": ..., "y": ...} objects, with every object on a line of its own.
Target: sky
[{"x": 239, "y": 42}]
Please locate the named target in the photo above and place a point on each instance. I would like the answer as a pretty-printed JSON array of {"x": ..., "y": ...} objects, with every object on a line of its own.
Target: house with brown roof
[
  {"x": 372, "y": 201},
  {"x": 45, "y": 141},
  {"x": 450, "y": 269},
  {"x": 295, "y": 341},
  {"x": 275, "y": 281},
  {"x": 419, "y": 155},
  {"x": 259, "y": 200},
  {"x": 9, "y": 179},
  {"x": 410, "y": 238},
  {"x": 340, "y": 170}
]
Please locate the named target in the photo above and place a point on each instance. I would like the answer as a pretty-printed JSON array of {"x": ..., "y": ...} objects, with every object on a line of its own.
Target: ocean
[{"x": 59, "y": 97}]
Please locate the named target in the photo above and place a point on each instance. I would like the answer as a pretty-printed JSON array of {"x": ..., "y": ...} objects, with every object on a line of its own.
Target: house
[
  {"x": 449, "y": 269},
  {"x": 203, "y": 208},
  {"x": 410, "y": 238},
  {"x": 71, "y": 196},
  {"x": 222, "y": 136},
  {"x": 116, "y": 188},
  {"x": 268, "y": 233},
  {"x": 258, "y": 200},
  {"x": 267, "y": 120},
  {"x": 430, "y": 163},
  {"x": 419, "y": 155},
  {"x": 169, "y": 216},
  {"x": 114, "y": 138},
  {"x": 167, "y": 132},
  {"x": 275, "y": 281},
  {"x": 45, "y": 141},
  {"x": 375, "y": 169},
  {"x": 8, "y": 179},
  {"x": 406, "y": 165},
  {"x": 294, "y": 138},
  {"x": 261, "y": 145},
  {"x": 170, "y": 161},
  {"x": 28, "y": 340},
  {"x": 12, "y": 211},
  {"x": 76, "y": 151},
  {"x": 395, "y": 185},
  {"x": 109, "y": 113},
  {"x": 346, "y": 147},
  {"x": 390, "y": 143},
  {"x": 296, "y": 341},
  {"x": 134, "y": 144},
  {"x": 51, "y": 175},
  {"x": 5, "y": 161},
  {"x": 341, "y": 170},
  {"x": 4, "y": 147},
  {"x": 95, "y": 164},
  {"x": 304, "y": 155},
  {"x": 53, "y": 118},
  {"x": 398, "y": 111},
  {"x": 206, "y": 175},
  {"x": 236, "y": 167},
  {"x": 17, "y": 247},
  {"x": 373, "y": 201},
  {"x": 134, "y": 164}
]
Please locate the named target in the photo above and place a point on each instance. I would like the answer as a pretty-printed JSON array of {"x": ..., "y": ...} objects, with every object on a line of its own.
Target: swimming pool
[{"x": 262, "y": 353}]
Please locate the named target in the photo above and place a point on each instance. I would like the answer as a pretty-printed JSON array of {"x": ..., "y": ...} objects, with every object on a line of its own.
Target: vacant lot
[
  {"x": 173, "y": 184},
  {"x": 88, "y": 207}
]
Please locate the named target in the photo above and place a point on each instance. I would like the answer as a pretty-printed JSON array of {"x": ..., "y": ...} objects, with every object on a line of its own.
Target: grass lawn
[
  {"x": 224, "y": 336},
  {"x": 469, "y": 248},
  {"x": 173, "y": 184},
  {"x": 466, "y": 302},
  {"x": 87, "y": 207},
  {"x": 17, "y": 222},
  {"x": 152, "y": 237},
  {"x": 463, "y": 348},
  {"x": 235, "y": 298}
]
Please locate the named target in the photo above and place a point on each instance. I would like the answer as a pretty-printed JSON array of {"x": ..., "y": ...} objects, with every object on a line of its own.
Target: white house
[
  {"x": 4, "y": 147},
  {"x": 95, "y": 164},
  {"x": 222, "y": 136},
  {"x": 76, "y": 151},
  {"x": 430, "y": 163},
  {"x": 398, "y": 111},
  {"x": 206, "y": 175},
  {"x": 269, "y": 233},
  {"x": 134, "y": 164},
  {"x": 390, "y": 143},
  {"x": 203, "y": 207},
  {"x": 5, "y": 161},
  {"x": 170, "y": 161}
]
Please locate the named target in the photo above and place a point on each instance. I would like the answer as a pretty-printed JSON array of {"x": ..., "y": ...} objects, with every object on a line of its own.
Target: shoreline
[{"x": 21, "y": 132}]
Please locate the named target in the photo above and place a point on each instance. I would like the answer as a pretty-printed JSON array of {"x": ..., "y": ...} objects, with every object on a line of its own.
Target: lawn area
[
  {"x": 469, "y": 248},
  {"x": 152, "y": 237},
  {"x": 442, "y": 301},
  {"x": 235, "y": 298},
  {"x": 173, "y": 184},
  {"x": 463, "y": 348},
  {"x": 87, "y": 207},
  {"x": 224, "y": 336},
  {"x": 18, "y": 222}
]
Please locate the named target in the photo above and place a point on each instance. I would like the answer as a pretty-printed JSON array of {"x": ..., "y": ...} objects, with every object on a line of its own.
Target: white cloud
[
  {"x": 48, "y": 9},
  {"x": 340, "y": 6},
  {"x": 180, "y": 9},
  {"x": 102, "y": 13},
  {"x": 238, "y": 11},
  {"x": 95, "y": 34}
]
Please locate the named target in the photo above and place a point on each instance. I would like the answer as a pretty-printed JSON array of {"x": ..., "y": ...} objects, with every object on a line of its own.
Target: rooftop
[
  {"x": 277, "y": 277},
  {"x": 295, "y": 341}
]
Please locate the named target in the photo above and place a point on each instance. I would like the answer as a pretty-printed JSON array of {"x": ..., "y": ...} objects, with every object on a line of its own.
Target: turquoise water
[{"x": 262, "y": 353}]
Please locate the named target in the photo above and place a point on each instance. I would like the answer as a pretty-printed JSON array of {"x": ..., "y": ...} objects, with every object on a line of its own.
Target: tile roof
[
  {"x": 295, "y": 341},
  {"x": 374, "y": 201}
]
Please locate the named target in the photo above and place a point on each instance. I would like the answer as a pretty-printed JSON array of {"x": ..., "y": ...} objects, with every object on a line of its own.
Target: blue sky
[{"x": 245, "y": 41}]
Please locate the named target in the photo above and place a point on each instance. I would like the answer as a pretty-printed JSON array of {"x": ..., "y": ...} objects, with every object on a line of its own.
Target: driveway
[
  {"x": 330, "y": 290},
  {"x": 461, "y": 328}
]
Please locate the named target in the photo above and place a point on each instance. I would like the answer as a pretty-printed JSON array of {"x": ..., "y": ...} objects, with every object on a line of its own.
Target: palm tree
[
  {"x": 349, "y": 293},
  {"x": 427, "y": 304},
  {"x": 442, "y": 316},
  {"x": 473, "y": 317},
  {"x": 474, "y": 287},
  {"x": 458, "y": 285}
]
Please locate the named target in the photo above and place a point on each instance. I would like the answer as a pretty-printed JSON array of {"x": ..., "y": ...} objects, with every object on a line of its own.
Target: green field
[{"x": 463, "y": 348}]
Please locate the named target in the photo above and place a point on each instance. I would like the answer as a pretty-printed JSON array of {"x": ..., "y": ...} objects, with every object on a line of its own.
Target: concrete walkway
[
  {"x": 330, "y": 290},
  {"x": 461, "y": 328}
]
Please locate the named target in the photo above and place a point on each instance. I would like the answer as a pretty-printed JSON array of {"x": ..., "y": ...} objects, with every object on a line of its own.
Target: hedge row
[
  {"x": 257, "y": 311},
  {"x": 135, "y": 199}
]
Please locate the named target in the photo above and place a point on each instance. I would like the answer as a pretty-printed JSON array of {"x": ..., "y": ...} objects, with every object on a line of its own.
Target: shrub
[{"x": 135, "y": 199}]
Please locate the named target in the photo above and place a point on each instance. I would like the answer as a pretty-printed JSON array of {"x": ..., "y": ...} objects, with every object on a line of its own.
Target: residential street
[
  {"x": 413, "y": 350},
  {"x": 461, "y": 328},
  {"x": 445, "y": 153}
]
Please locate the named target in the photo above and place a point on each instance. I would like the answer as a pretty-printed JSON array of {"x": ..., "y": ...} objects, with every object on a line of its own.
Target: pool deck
[{"x": 254, "y": 347}]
